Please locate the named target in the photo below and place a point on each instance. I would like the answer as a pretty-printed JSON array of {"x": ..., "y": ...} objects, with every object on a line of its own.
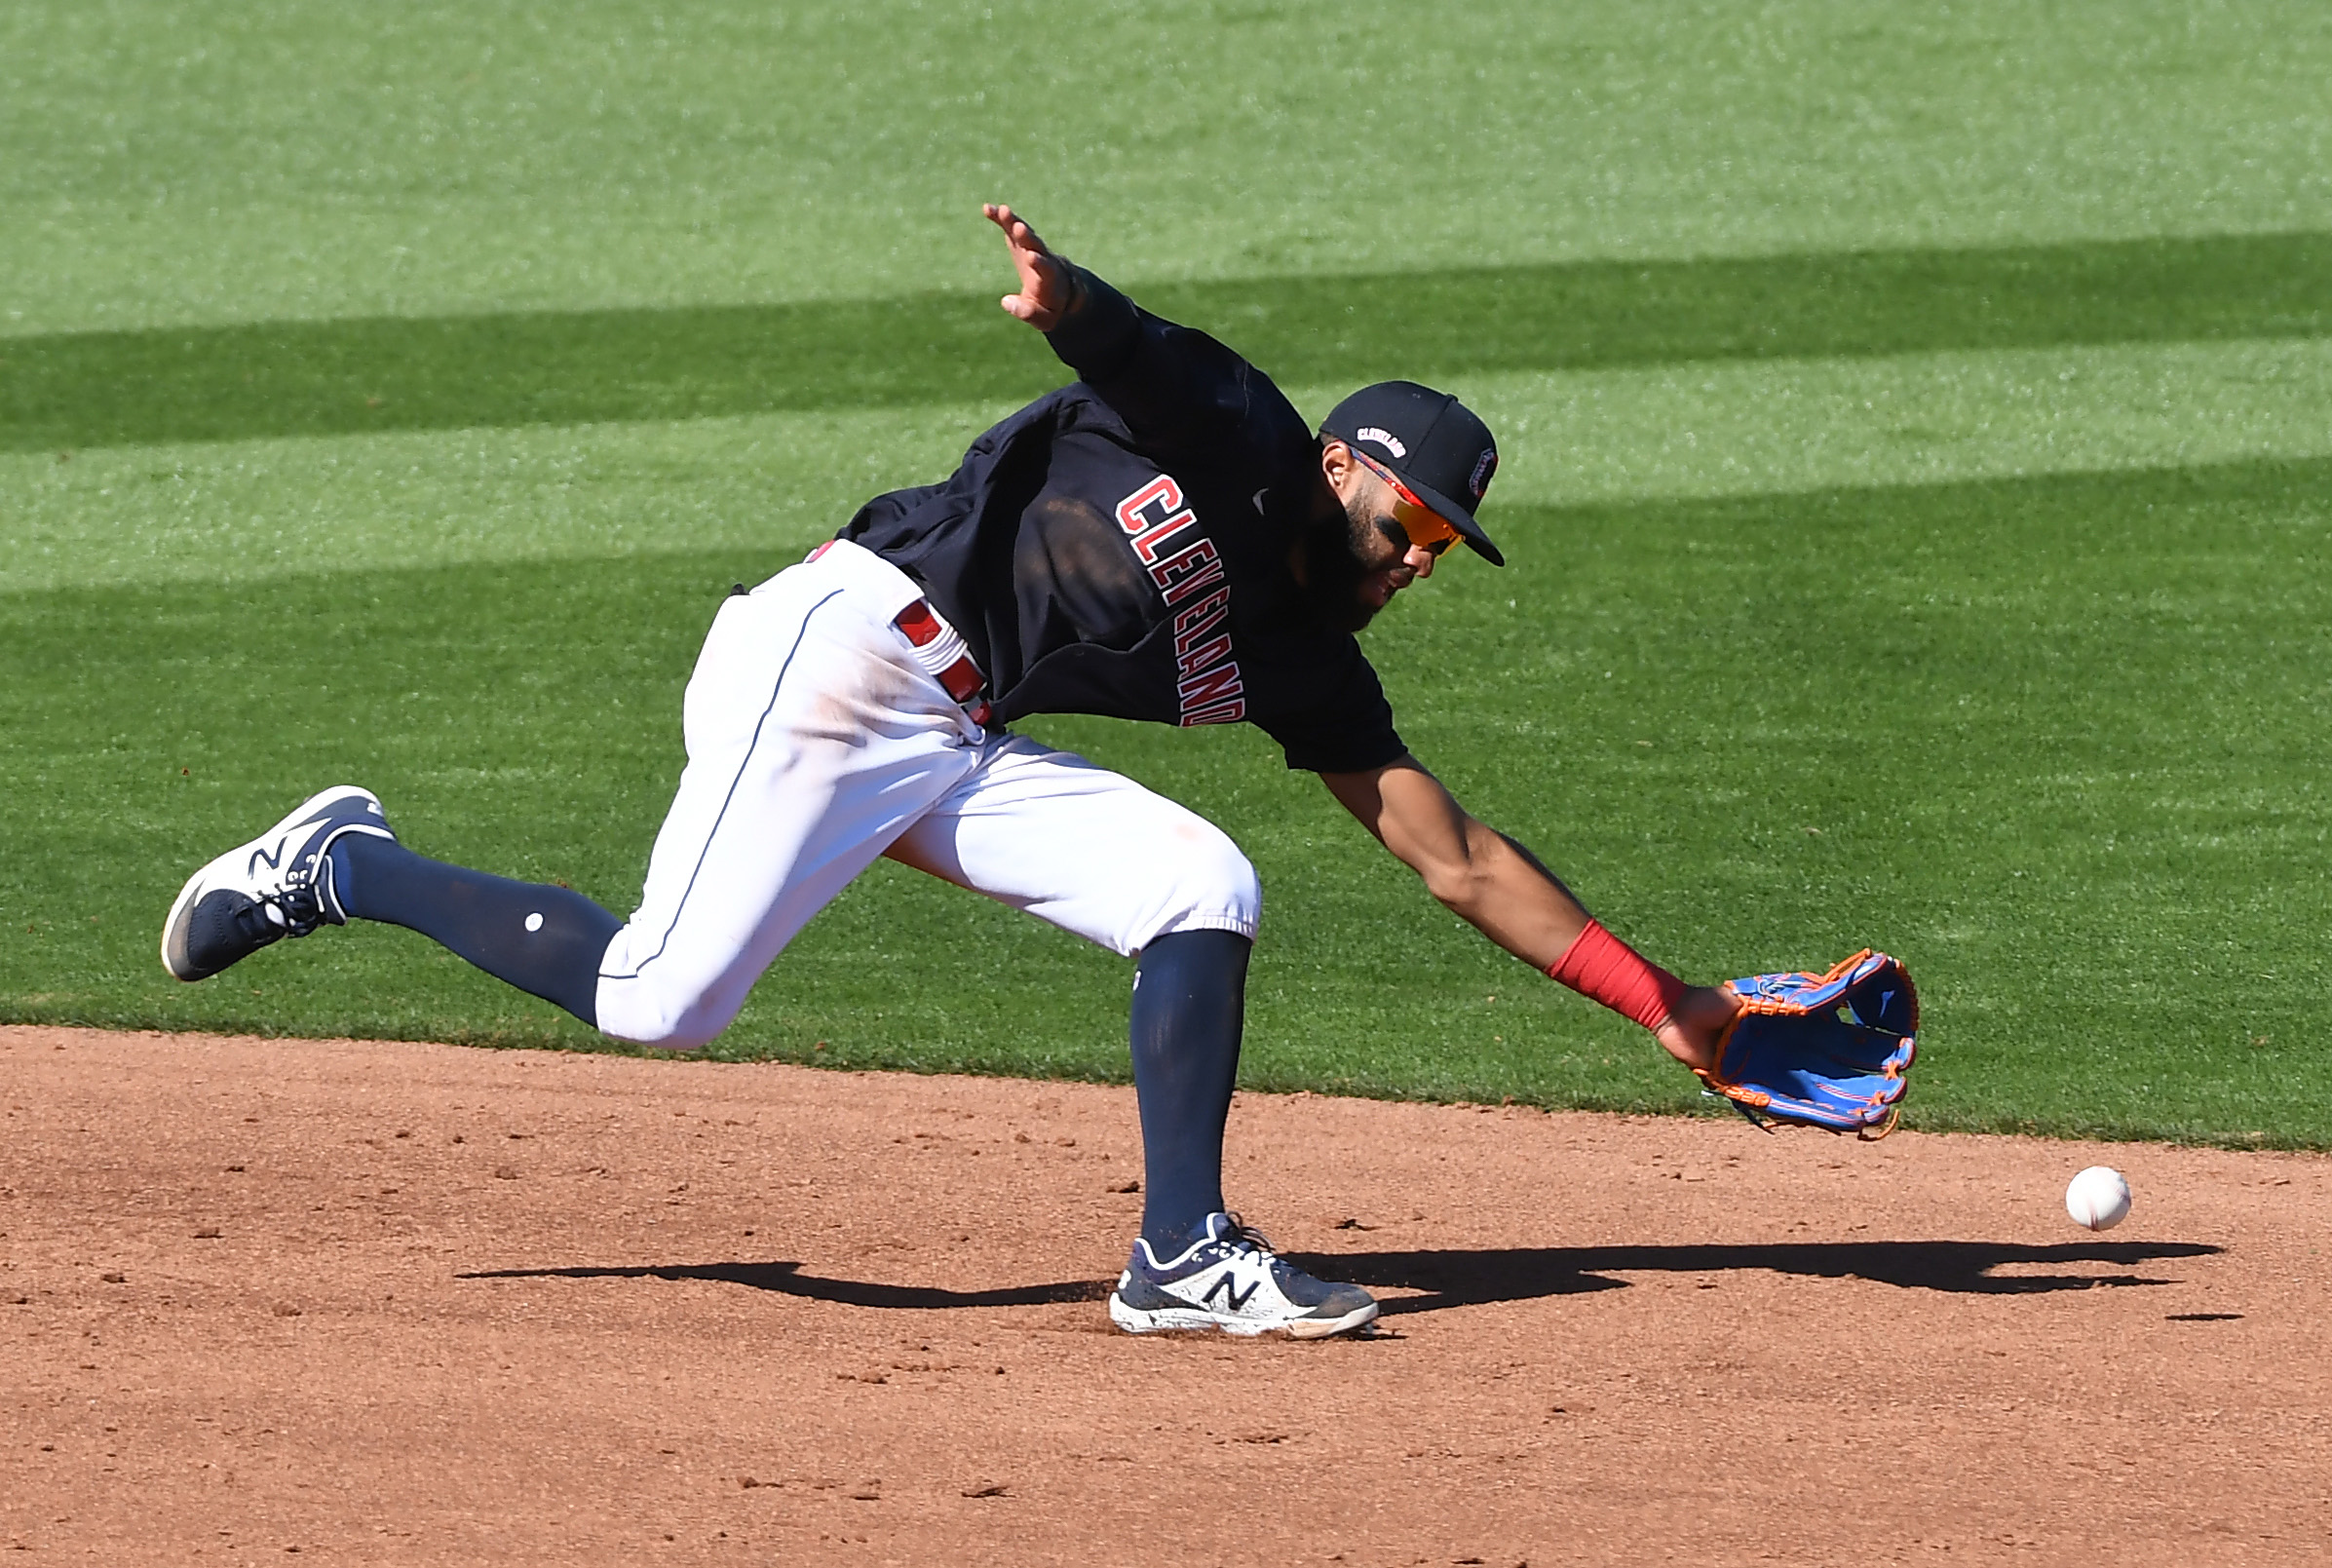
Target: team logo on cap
[
  {"x": 1484, "y": 466},
  {"x": 1383, "y": 437}
]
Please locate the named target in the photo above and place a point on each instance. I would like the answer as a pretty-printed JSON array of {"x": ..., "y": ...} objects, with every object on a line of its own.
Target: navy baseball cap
[{"x": 1434, "y": 444}]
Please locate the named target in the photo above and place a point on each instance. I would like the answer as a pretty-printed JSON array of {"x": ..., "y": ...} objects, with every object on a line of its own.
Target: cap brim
[{"x": 1458, "y": 517}]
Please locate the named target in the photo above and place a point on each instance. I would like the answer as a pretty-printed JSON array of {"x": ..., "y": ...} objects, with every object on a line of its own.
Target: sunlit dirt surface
[{"x": 406, "y": 1303}]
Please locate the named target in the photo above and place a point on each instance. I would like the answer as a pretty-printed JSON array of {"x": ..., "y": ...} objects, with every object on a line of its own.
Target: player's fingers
[
  {"x": 1041, "y": 273},
  {"x": 1022, "y": 235},
  {"x": 1015, "y": 228}
]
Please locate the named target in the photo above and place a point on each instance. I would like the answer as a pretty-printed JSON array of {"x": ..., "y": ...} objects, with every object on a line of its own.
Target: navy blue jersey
[{"x": 1121, "y": 547}]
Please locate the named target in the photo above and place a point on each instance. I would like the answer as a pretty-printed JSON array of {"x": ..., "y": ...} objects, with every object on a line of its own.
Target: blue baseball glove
[{"x": 1828, "y": 1051}]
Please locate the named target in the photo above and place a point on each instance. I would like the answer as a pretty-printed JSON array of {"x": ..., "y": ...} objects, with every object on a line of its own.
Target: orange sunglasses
[{"x": 1425, "y": 527}]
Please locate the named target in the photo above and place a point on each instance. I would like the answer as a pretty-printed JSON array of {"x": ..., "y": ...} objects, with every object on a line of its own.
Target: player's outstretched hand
[
  {"x": 1692, "y": 1032},
  {"x": 1048, "y": 288}
]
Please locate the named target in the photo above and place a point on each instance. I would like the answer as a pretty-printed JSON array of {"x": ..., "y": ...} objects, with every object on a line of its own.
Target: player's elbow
[
  {"x": 1468, "y": 874},
  {"x": 1461, "y": 884}
]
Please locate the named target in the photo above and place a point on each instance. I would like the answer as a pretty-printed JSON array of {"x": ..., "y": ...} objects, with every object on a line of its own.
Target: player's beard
[{"x": 1334, "y": 569}]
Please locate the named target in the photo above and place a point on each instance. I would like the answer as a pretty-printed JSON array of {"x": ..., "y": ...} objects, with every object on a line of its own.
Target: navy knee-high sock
[
  {"x": 1190, "y": 997},
  {"x": 542, "y": 939}
]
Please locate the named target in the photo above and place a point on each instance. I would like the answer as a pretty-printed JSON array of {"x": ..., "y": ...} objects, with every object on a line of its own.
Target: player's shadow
[
  {"x": 787, "y": 1280},
  {"x": 1450, "y": 1278},
  {"x": 1453, "y": 1278}
]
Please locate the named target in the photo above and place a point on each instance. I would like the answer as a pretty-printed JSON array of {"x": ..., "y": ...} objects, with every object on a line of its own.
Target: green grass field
[{"x": 1918, "y": 487}]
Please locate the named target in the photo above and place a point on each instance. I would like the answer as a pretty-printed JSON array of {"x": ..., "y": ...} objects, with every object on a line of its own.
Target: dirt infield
[{"x": 406, "y": 1303}]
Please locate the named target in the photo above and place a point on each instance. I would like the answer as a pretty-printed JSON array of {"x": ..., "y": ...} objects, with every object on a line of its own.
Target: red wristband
[{"x": 1602, "y": 968}]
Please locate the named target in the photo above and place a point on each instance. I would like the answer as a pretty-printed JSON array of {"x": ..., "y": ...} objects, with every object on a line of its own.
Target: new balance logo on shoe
[{"x": 1232, "y": 1297}]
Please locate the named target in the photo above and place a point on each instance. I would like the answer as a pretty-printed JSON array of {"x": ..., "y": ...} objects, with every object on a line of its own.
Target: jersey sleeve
[
  {"x": 1338, "y": 721},
  {"x": 1176, "y": 388}
]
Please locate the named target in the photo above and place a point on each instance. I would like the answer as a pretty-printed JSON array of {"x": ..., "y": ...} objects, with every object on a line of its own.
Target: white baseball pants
[{"x": 816, "y": 742}]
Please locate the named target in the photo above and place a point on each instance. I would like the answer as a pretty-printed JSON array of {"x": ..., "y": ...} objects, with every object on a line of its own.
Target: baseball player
[{"x": 1163, "y": 539}]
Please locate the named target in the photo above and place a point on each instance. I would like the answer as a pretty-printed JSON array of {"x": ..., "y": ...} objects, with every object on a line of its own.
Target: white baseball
[{"x": 2098, "y": 1198}]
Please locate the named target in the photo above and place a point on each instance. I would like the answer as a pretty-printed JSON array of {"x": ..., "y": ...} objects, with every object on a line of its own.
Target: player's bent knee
[
  {"x": 1211, "y": 885},
  {"x": 646, "y": 1014},
  {"x": 670, "y": 1040}
]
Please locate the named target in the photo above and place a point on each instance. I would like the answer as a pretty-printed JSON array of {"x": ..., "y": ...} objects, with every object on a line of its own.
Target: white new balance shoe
[
  {"x": 1231, "y": 1280},
  {"x": 278, "y": 885}
]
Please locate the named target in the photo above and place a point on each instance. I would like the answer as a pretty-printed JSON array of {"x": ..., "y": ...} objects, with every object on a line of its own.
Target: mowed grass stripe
[
  {"x": 2060, "y": 743},
  {"x": 305, "y": 378},
  {"x": 768, "y": 485},
  {"x": 1715, "y": 429}
]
